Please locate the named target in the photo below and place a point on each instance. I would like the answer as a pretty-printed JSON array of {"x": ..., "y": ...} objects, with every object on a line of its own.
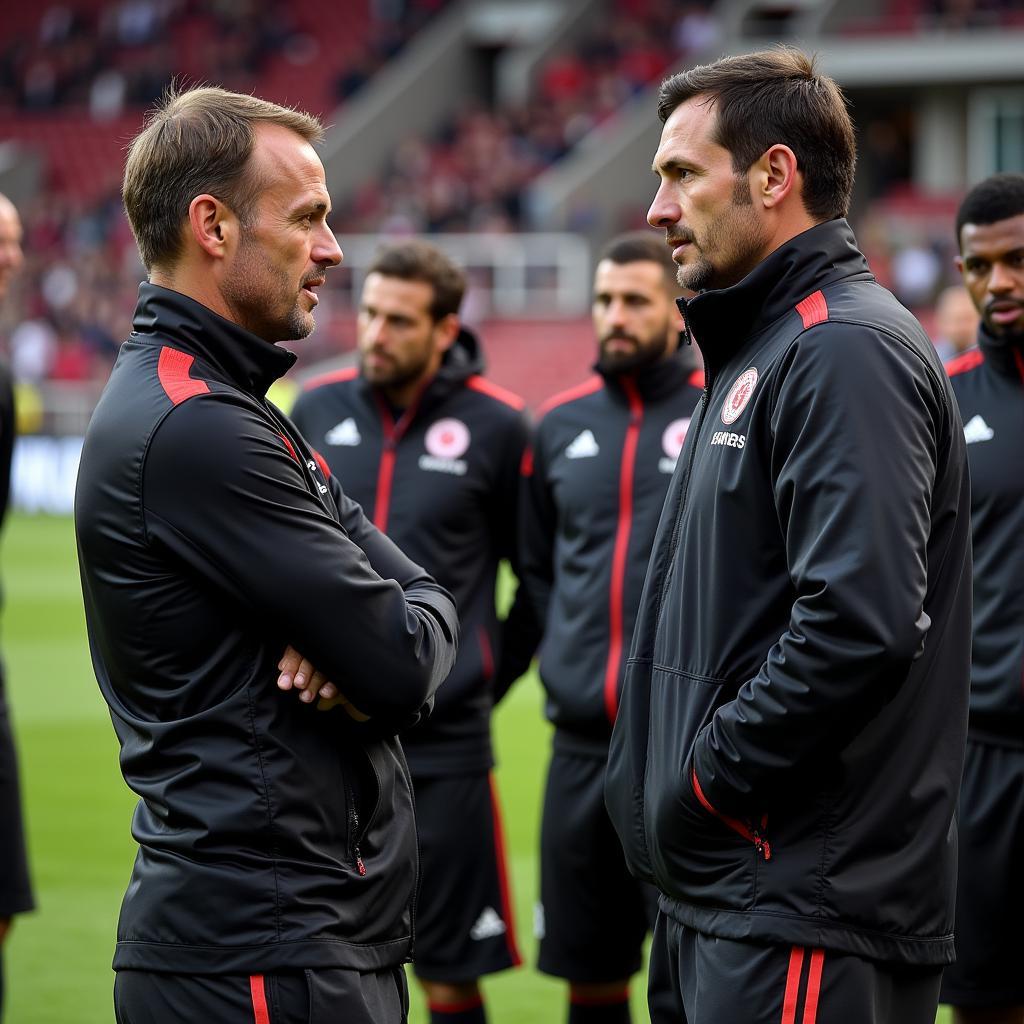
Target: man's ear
[
  {"x": 446, "y": 331},
  {"x": 214, "y": 227},
  {"x": 775, "y": 175},
  {"x": 958, "y": 262}
]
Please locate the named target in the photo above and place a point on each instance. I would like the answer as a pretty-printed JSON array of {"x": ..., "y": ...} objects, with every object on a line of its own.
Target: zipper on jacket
[
  {"x": 751, "y": 833},
  {"x": 353, "y": 821},
  {"x": 393, "y": 433},
  {"x": 407, "y": 775},
  {"x": 620, "y": 551}
]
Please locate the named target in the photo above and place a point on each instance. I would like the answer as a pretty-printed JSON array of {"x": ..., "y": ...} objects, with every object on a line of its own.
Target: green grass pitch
[{"x": 78, "y": 808}]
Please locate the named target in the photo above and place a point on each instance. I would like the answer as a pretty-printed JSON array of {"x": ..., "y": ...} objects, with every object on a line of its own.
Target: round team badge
[
  {"x": 736, "y": 401},
  {"x": 447, "y": 439},
  {"x": 674, "y": 436}
]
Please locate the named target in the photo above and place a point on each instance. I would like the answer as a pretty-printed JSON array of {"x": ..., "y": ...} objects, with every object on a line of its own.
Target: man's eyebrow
[
  {"x": 320, "y": 206},
  {"x": 671, "y": 164}
]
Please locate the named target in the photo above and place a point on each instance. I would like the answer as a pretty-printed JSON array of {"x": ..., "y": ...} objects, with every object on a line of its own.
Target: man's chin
[{"x": 1013, "y": 333}]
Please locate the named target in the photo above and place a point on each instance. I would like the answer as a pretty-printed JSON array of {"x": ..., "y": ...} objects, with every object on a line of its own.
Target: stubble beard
[
  {"x": 737, "y": 233},
  {"x": 246, "y": 294},
  {"x": 642, "y": 356}
]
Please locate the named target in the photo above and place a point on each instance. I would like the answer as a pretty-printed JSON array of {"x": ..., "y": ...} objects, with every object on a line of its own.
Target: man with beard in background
[
  {"x": 593, "y": 489},
  {"x": 431, "y": 447},
  {"x": 985, "y": 985}
]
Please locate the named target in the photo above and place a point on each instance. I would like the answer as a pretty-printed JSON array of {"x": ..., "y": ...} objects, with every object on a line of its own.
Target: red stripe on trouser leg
[
  {"x": 607, "y": 999},
  {"x": 463, "y": 1007},
  {"x": 259, "y": 999},
  {"x": 506, "y": 895},
  {"x": 813, "y": 986},
  {"x": 796, "y": 962}
]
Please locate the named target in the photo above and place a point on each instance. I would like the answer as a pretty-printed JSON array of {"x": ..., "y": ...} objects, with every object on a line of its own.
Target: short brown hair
[
  {"x": 419, "y": 261},
  {"x": 194, "y": 142},
  {"x": 642, "y": 247},
  {"x": 771, "y": 97}
]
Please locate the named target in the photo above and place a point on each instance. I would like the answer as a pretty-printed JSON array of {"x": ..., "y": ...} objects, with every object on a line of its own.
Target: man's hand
[{"x": 298, "y": 672}]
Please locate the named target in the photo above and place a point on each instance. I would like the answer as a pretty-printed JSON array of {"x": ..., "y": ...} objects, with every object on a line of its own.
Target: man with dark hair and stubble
[
  {"x": 277, "y": 863},
  {"x": 433, "y": 448},
  {"x": 15, "y": 887},
  {"x": 787, "y": 755},
  {"x": 593, "y": 488},
  {"x": 985, "y": 985}
]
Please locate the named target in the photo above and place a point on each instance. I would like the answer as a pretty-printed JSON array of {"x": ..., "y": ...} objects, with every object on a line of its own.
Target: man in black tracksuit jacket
[
  {"x": 593, "y": 489},
  {"x": 435, "y": 460},
  {"x": 786, "y": 758},
  {"x": 277, "y": 861},
  {"x": 985, "y": 984}
]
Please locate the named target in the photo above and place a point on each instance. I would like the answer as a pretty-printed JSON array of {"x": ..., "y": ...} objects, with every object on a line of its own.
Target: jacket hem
[
  {"x": 300, "y": 954},
  {"x": 792, "y": 930}
]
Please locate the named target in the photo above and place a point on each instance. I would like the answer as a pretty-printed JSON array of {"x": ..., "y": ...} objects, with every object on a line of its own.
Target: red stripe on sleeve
[
  {"x": 588, "y": 387},
  {"x": 796, "y": 962},
  {"x": 260, "y": 1013},
  {"x": 813, "y": 310},
  {"x": 334, "y": 377},
  {"x": 291, "y": 449},
  {"x": 968, "y": 361},
  {"x": 526, "y": 466},
  {"x": 813, "y": 986},
  {"x": 488, "y": 387},
  {"x": 173, "y": 370}
]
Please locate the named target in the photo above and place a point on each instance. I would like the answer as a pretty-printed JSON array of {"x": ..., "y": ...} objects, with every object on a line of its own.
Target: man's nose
[
  {"x": 327, "y": 249},
  {"x": 1001, "y": 280},
  {"x": 664, "y": 211}
]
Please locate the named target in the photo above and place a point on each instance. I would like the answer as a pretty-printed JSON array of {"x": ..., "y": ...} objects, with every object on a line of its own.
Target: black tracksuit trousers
[
  {"x": 321, "y": 996},
  {"x": 720, "y": 981}
]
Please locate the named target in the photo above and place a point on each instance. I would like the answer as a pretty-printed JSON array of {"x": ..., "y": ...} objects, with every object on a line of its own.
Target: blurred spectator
[{"x": 956, "y": 322}]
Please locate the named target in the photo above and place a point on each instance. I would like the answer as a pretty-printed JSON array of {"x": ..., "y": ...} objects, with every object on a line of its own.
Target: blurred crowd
[{"x": 70, "y": 310}]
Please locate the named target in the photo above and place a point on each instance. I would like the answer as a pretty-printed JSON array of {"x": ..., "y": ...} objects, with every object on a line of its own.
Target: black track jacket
[
  {"x": 272, "y": 834},
  {"x": 441, "y": 480},
  {"x": 593, "y": 489},
  {"x": 787, "y": 757},
  {"x": 989, "y": 386}
]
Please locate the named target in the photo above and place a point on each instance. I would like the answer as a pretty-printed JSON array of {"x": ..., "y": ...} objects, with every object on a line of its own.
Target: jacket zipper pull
[
  {"x": 762, "y": 845},
  {"x": 360, "y": 866}
]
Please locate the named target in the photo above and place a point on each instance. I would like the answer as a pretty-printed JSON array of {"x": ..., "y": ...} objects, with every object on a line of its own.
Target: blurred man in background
[
  {"x": 594, "y": 486},
  {"x": 277, "y": 864},
  {"x": 433, "y": 448},
  {"x": 956, "y": 322},
  {"x": 986, "y": 985},
  {"x": 15, "y": 891},
  {"x": 786, "y": 761}
]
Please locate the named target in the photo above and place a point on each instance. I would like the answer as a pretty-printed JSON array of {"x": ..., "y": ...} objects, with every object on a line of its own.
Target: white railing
[{"x": 522, "y": 275}]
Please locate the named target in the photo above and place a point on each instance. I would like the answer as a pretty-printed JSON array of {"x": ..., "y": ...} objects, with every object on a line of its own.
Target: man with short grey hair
[{"x": 277, "y": 866}]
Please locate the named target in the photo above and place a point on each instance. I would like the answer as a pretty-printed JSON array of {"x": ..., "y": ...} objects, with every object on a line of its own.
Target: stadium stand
[{"x": 936, "y": 87}]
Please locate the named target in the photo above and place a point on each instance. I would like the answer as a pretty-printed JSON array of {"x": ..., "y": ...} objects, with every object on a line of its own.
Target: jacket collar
[
  {"x": 656, "y": 380},
  {"x": 245, "y": 360},
  {"x": 1004, "y": 355},
  {"x": 721, "y": 321}
]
